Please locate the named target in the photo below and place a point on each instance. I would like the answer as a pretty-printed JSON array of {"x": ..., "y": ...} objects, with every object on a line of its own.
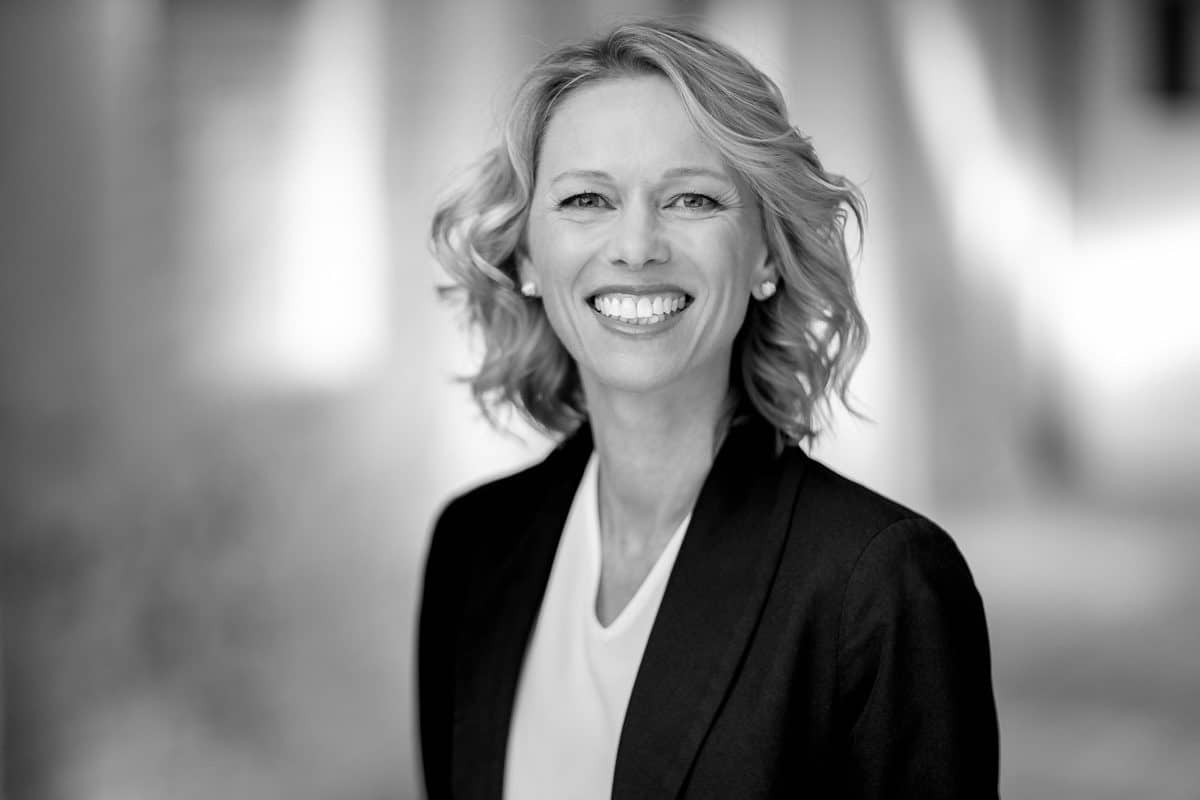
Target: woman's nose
[{"x": 638, "y": 239}]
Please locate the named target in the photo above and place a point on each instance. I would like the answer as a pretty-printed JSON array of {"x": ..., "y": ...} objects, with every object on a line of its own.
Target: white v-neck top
[{"x": 578, "y": 674}]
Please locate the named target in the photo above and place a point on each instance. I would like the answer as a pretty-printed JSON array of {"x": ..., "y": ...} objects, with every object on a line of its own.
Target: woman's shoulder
[
  {"x": 886, "y": 567},
  {"x": 855, "y": 509},
  {"x": 512, "y": 499},
  {"x": 495, "y": 495},
  {"x": 866, "y": 531},
  {"x": 469, "y": 530}
]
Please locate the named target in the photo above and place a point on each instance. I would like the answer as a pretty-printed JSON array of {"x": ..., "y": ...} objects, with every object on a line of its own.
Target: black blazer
[{"x": 815, "y": 640}]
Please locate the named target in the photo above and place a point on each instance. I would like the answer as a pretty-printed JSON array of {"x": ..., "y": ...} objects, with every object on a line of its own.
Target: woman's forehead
[{"x": 626, "y": 124}]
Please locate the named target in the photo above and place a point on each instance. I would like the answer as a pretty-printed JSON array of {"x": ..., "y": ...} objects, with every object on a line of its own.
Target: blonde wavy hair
[{"x": 794, "y": 351}]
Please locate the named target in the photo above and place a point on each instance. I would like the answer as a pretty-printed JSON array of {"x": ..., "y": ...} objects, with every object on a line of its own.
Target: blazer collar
[{"x": 712, "y": 601}]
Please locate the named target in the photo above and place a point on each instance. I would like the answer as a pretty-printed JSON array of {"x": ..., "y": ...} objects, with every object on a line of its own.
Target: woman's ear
[
  {"x": 765, "y": 278},
  {"x": 765, "y": 270},
  {"x": 526, "y": 282}
]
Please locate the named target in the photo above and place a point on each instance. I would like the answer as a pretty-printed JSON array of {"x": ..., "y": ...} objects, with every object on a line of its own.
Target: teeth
[{"x": 639, "y": 310}]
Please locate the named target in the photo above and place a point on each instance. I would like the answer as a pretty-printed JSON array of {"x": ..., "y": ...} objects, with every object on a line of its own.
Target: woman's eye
[
  {"x": 694, "y": 201},
  {"x": 585, "y": 200}
]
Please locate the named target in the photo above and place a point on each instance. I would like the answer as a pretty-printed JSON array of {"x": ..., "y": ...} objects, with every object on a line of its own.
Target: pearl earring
[
  {"x": 529, "y": 289},
  {"x": 766, "y": 289}
]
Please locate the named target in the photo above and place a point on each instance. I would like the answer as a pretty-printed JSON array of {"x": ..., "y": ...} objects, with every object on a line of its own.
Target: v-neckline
[{"x": 657, "y": 575}]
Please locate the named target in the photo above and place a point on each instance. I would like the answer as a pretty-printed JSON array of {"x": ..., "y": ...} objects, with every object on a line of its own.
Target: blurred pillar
[
  {"x": 62, "y": 84},
  {"x": 284, "y": 242},
  {"x": 1127, "y": 327},
  {"x": 982, "y": 212}
]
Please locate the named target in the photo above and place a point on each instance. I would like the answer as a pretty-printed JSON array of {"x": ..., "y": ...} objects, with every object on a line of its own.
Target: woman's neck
[{"x": 654, "y": 454}]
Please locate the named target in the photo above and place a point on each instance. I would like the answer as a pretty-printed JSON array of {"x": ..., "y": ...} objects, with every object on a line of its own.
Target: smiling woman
[
  {"x": 678, "y": 601},
  {"x": 641, "y": 209}
]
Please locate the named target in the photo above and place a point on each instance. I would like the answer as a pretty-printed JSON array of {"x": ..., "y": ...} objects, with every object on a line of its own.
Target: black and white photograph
[{"x": 572, "y": 400}]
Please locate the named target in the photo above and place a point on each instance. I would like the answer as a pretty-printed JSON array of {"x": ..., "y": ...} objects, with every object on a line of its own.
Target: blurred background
[{"x": 228, "y": 408}]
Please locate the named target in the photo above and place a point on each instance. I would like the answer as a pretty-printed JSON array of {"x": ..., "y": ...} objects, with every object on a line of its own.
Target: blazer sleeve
[
  {"x": 915, "y": 671},
  {"x": 436, "y": 627}
]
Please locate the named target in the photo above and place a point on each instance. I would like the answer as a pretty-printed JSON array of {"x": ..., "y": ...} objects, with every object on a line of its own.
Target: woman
[{"x": 678, "y": 602}]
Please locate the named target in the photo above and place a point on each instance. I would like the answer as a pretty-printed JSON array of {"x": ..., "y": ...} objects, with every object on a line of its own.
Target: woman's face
[{"x": 643, "y": 243}]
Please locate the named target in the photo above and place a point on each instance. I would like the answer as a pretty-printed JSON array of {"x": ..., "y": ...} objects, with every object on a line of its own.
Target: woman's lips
[{"x": 649, "y": 308}]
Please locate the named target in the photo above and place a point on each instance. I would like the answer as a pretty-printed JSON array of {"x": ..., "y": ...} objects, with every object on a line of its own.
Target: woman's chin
[{"x": 652, "y": 378}]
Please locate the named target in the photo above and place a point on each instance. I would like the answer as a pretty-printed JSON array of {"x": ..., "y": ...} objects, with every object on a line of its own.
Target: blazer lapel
[
  {"x": 498, "y": 619},
  {"x": 712, "y": 601}
]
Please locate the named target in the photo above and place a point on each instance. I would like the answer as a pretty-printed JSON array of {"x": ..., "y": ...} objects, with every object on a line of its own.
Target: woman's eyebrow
[
  {"x": 594, "y": 174},
  {"x": 692, "y": 172},
  {"x": 674, "y": 172}
]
